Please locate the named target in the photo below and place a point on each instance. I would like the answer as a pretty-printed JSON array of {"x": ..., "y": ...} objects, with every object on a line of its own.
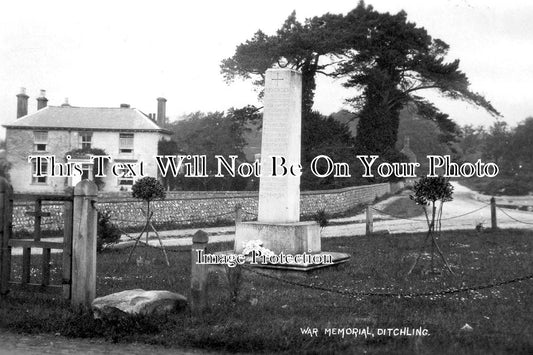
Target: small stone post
[
  {"x": 83, "y": 288},
  {"x": 369, "y": 220},
  {"x": 199, "y": 273},
  {"x": 238, "y": 213},
  {"x": 493, "y": 221}
]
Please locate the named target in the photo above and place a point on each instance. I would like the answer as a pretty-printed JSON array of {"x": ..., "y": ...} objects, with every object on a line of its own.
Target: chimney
[
  {"x": 22, "y": 103},
  {"x": 65, "y": 104},
  {"x": 124, "y": 106},
  {"x": 161, "y": 110},
  {"x": 42, "y": 101}
]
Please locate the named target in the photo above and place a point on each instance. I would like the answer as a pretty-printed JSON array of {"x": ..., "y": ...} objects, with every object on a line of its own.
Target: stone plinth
[
  {"x": 279, "y": 196},
  {"x": 289, "y": 238}
]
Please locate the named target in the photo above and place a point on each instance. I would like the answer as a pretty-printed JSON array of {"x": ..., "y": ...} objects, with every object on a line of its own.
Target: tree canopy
[
  {"x": 508, "y": 147},
  {"x": 209, "y": 134},
  {"x": 385, "y": 58}
]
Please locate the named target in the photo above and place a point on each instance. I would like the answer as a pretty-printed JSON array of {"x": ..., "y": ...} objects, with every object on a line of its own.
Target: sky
[{"x": 104, "y": 53}]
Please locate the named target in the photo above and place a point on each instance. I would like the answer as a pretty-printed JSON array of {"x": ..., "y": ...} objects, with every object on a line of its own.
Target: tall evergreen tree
[{"x": 387, "y": 59}]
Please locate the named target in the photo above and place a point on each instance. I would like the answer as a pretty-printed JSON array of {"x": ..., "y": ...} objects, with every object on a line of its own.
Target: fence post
[
  {"x": 83, "y": 288},
  {"x": 369, "y": 220},
  {"x": 6, "y": 209},
  {"x": 199, "y": 273},
  {"x": 238, "y": 213},
  {"x": 493, "y": 220}
]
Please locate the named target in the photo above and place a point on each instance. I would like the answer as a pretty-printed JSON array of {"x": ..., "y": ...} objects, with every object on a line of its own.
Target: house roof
[{"x": 88, "y": 118}]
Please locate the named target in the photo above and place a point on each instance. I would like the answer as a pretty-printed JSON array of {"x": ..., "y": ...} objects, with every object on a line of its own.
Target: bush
[
  {"x": 148, "y": 189},
  {"x": 107, "y": 232},
  {"x": 322, "y": 218}
]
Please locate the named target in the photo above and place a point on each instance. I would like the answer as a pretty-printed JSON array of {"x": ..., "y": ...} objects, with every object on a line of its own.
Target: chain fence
[
  {"x": 352, "y": 293},
  {"x": 423, "y": 220},
  {"x": 514, "y": 219}
]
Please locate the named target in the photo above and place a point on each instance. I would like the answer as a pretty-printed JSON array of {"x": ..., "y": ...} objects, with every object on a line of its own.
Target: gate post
[
  {"x": 83, "y": 290},
  {"x": 6, "y": 209}
]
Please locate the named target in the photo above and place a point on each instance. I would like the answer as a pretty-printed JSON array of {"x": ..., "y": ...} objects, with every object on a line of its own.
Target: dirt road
[{"x": 466, "y": 211}]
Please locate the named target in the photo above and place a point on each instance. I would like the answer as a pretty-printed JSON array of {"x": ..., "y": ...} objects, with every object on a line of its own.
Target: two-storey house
[{"x": 125, "y": 134}]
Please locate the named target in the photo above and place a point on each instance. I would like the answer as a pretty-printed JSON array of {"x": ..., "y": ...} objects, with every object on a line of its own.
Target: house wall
[
  {"x": 145, "y": 150},
  {"x": 20, "y": 144}
]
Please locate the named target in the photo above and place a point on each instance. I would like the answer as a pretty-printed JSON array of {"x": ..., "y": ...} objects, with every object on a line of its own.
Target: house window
[
  {"x": 44, "y": 170},
  {"x": 40, "y": 140},
  {"x": 125, "y": 179},
  {"x": 125, "y": 144},
  {"x": 85, "y": 139}
]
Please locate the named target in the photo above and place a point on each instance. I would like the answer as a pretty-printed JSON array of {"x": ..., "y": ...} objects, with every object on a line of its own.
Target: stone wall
[{"x": 190, "y": 207}]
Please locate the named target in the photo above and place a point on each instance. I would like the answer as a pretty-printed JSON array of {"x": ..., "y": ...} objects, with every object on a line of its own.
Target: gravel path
[{"x": 22, "y": 344}]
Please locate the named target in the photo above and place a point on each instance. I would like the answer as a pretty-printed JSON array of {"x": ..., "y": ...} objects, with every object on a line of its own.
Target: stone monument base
[
  {"x": 336, "y": 258},
  {"x": 295, "y": 238},
  {"x": 289, "y": 238}
]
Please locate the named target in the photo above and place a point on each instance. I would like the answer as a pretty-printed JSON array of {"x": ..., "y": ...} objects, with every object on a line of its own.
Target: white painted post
[{"x": 83, "y": 289}]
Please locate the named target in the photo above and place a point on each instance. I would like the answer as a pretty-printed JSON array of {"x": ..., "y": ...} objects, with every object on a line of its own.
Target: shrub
[
  {"x": 107, "y": 232},
  {"x": 321, "y": 217},
  {"x": 148, "y": 189}
]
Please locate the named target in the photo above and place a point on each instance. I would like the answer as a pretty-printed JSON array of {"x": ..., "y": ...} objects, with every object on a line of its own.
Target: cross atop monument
[{"x": 277, "y": 79}]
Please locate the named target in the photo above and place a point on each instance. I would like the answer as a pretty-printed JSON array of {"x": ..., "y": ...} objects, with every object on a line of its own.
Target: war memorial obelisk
[{"x": 278, "y": 223}]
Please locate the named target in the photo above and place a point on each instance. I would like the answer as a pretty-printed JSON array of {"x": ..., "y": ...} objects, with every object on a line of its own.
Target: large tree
[
  {"x": 209, "y": 134},
  {"x": 295, "y": 45},
  {"x": 385, "y": 57}
]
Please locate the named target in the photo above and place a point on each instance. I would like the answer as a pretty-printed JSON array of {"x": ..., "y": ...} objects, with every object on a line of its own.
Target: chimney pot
[
  {"x": 22, "y": 103},
  {"x": 65, "y": 104},
  {"x": 42, "y": 101}
]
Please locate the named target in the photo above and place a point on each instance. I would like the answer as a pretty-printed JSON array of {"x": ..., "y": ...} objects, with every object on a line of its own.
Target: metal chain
[
  {"x": 423, "y": 220},
  {"x": 150, "y": 246},
  {"x": 390, "y": 294},
  {"x": 514, "y": 219},
  {"x": 250, "y": 213}
]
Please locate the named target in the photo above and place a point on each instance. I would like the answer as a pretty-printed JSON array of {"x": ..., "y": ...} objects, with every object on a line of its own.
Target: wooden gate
[{"x": 78, "y": 245}]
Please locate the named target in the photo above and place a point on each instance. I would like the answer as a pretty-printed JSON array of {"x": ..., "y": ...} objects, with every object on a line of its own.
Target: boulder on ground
[{"x": 137, "y": 302}]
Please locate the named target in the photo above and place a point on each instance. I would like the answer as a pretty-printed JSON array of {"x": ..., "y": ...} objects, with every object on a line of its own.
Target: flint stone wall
[{"x": 192, "y": 207}]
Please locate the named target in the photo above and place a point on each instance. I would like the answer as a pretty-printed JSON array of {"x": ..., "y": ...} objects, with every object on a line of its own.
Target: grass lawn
[{"x": 268, "y": 315}]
